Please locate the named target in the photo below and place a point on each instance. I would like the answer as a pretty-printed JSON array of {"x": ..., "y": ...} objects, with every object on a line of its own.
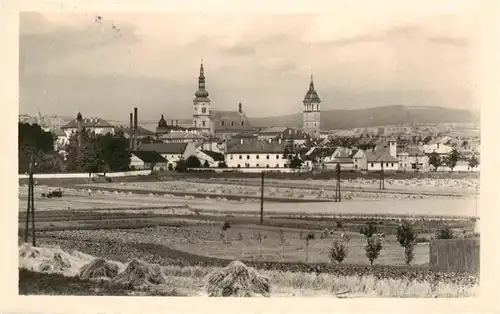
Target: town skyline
[{"x": 75, "y": 62}]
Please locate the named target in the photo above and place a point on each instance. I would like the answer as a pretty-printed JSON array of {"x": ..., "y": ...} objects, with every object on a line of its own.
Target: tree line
[
  {"x": 450, "y": 160},
  {"x": 84, "y": 152}
]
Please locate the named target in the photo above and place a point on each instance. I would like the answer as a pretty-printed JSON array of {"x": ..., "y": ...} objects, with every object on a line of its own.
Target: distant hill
[{"x": 376, "y": 116}]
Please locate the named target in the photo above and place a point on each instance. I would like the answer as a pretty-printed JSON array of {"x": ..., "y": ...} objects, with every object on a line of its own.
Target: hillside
[{"x": 377, "y": 116}]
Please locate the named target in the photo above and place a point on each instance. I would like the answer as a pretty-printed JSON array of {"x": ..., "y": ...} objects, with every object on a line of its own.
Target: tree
[
  {"x": 181, "y": 166},
  {"x": 193, "y": 162},
  {"x": 373, "y": 248},
  {"x": 452, "y": 159},
  {"x": 339, "y": 249},
  {"x": 296, "y": 162},
  {"x": 114, "y": 150},
  {"x": 222, "y": 164},
  {"x": 206, "y": 164},
  {"x": 34, "y": 142},
  {"x": 369, "y": 230},
  {"x": 407, "y": 237},
  {"x": 435, "y": 160},
  {"x": 445, "y": 233},
  {"x": 473, "y": 162}
]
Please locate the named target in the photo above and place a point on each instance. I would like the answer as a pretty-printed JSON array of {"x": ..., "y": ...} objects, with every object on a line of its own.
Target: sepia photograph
[{"x": 247, "y": 154}]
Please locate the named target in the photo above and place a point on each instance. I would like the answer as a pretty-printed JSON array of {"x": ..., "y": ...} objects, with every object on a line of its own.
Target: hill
[{"x": 376, "y": 116}]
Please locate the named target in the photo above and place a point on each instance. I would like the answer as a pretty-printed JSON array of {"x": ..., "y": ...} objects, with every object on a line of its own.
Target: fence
[
  {"x": 85, "y": 175},
  {"x": 454, "y": 255}
]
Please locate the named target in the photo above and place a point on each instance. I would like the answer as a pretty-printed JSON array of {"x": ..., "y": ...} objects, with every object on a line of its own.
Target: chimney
[
  {"x": 131, "y": 139},
  {"x": 135, "y": 128}
]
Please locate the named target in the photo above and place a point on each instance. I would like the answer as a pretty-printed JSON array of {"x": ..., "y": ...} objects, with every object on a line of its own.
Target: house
[
  {"x": 342, "y": 159},
  {"x": 358, "y": 159},
  {"x": 412, "y": 159},
  {"x": 270, "y": 133},
  {"x": 173, "y": 152},
  {"x": 294, "y": 136},
  {"x": 376, "y": 160},
  {"x": 256, "y": 154},
  {"x": 95, "y": 125},
  {"x": 439, "y": 145},
  {"x": 181, "y": 137},
  {"x": 140, "y": 160},
  {"x": 140, "y": 132},
  {"x": 213, "y": 158}
]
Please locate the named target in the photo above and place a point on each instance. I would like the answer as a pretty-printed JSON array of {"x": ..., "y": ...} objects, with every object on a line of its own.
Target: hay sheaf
[
  {"x": 56, "y": 263},
  {"x": 98, "y": 268},
  {"x": 139, "y": 274},
  {"x": 237, "y": 280},
  {"x": 28, "y": 251}
]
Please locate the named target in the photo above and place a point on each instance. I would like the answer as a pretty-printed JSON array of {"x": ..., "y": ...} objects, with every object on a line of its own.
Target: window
[
  {"x": 242, "y": 123},
  {"x": 372, "y": 164},
  {"x": 222, "y": 123},
  {"x": 248, "y": 156},
  {"x": 267, "y": 156},
  {"x": 239, "y": 166},
  {"x": 232, "y": 123},
  {"x": 267, "y": 166},
  {"x": 230, "y": 156},
  {"x": 203, "y": 123},
  {"x": 257, "y": 157},
  {"x": 247, "y": 165},
  {"x": 241, "y": 157},
  {"x": 257, "y": 165},
  {"x": 387, "y": 164},
  {"x": 277, "y": 166},
  {"x": 277, "y": 156},
  {"x": 203, "y": 110},
  {"x": 392, "y": 164}
]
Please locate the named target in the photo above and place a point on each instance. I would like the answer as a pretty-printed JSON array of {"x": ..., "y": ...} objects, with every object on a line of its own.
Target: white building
[
  {"x": 411, "y": 159},
  {"x": 141, "y": 160},
  {"x": 173, "y": 152},
  {"x": 95, "y": 125},
  {"x": 256, "y": 154},
  {"x": 212, "y": 158}
]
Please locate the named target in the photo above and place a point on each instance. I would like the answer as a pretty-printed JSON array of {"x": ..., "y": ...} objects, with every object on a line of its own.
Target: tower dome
[
  {"x": 162, "y": 123},
  {"x": 201, "y": 92},
  {"x": 311, "y": 95}
]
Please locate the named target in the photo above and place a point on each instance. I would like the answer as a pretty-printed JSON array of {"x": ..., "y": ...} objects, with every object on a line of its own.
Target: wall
[
  {"x": 85, "y": 175},
  {"x": 454, "y": 255},
  {"x": 232, "y": 160},
  {"x": 377, "y": 167},
  {"x": 254, "y": 170}
]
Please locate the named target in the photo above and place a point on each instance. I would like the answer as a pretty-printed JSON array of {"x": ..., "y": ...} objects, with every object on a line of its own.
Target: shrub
[
  {"x": 373, "y": 248},
  {"x": 181, "y": 166},
  {"x": 339, "y": 223},
  {"x": 338, "y": 251},
  {"x": 445, "y": 233},
  {"x": 407, "y": 237},
  {"x": 369, "y": 230},
  {"x": 206, "y": 164}
]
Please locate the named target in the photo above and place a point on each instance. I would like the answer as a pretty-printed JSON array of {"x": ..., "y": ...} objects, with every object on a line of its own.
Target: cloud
[
  {"x": 261, "y": 59},
  {"x": 238, "y": 50}
]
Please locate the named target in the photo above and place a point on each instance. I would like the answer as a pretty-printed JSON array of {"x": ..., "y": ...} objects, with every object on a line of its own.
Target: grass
[{"x": 205, "y": 241}]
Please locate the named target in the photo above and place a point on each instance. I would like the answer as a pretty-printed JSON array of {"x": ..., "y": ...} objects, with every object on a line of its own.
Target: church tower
[
  {"x": 311, "y": 113},
  {"x": 201, "y": 106}
]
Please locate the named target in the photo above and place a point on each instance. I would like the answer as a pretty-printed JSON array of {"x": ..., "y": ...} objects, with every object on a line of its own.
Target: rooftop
[
  {"x": 149, "y": 156},
  {"x": 164, "y": 148}
]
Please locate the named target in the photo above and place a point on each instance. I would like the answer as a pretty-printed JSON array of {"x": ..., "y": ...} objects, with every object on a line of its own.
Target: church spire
[
  {"x": 201, "y": 92},
  {"x": 311, "y": 95}
]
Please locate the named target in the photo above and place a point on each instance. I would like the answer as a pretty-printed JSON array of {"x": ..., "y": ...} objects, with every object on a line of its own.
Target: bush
[
  {"x": 369, "y": 230},
  {"x": 338, "y": 251},
  {"x": 193, "y": 162},
  {"x": 181, "y": 166},
  {"x": 373, "y": 248},
  {"x": 407, "y": 237},
  {"x": 206, "y": 164},
  {"x": 445, "y": 233}
]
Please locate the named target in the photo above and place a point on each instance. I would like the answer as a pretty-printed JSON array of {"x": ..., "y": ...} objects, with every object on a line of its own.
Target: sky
[{"x": 359, "y": 56}]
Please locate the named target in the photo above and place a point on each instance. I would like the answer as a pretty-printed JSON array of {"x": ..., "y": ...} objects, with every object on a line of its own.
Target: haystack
[
  {"x": 98, "y": 268},
  {"x": 237, "y": 280},
  {"x": 56, "y": 263},
  {"x": 139, "y": 273},
  {"x": 28, "y": 251}
]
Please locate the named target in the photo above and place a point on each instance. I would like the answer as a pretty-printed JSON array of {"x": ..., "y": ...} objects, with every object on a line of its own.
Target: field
[{"x": 183, "y": 235}]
